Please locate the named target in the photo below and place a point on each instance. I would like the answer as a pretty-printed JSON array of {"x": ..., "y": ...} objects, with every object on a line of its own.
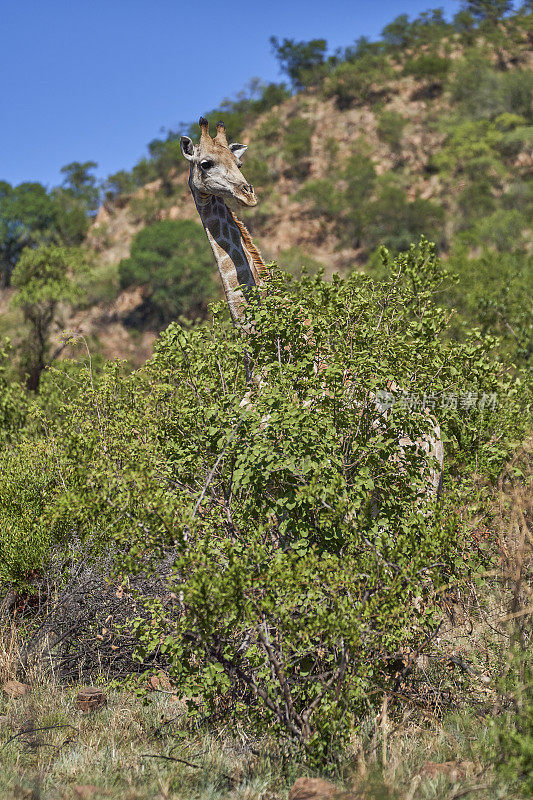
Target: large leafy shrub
[
  {"x": 172, "y": 261},
  {"x": 302, "y": 558}
]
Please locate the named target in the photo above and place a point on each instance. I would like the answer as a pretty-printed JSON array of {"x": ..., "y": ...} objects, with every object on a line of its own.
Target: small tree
[
  {"x": 299, "y": 60},
  {"x": 399, "y": 32},
  {"x": 121, "y": 182},
  {"x": 491, "y": 11},
  {"x": 28, "y": 216},
  {"x": 166, "y": 157},
  {"x": 43, "y": 280},
  {"x": 81, "y": 184},
  {"x": 172, "y": 261}
]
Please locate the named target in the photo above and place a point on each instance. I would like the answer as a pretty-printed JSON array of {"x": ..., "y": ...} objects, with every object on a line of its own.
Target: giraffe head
[{"x": 215, "y": 166}]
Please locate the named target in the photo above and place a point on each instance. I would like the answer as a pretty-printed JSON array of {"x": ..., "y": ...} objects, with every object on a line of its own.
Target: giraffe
[{"x": 215, "y": 177}]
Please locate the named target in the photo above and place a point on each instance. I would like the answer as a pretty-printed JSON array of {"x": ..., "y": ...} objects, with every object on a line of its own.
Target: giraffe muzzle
[{"x": 247, "y": 195}]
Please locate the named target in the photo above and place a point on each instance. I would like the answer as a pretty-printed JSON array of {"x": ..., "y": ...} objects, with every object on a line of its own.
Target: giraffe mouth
[
  {"x": 236, "y": 201},
  {"x": 245, "y": 195},
  {"x": 247, "y": 202}
]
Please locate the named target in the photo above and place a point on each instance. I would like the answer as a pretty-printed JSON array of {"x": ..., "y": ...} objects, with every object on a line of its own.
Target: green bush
[
  {"x": 346, "y": 203},
  {"x": 296, "y": 261},
  {"x": 472, "y": 149},
  {"x": 504, "y": 229},
  {"x": 360, "y": 177},
  {"x": 297, "y": 145},
  {"x": 476, "y": 201},
  {"x": 46, "y": 286},
  {"x": 355, "y": 82},
  {"x": 518, "y": 140},
  {"x": 395, "y": 221},
  {"x": 13, "y": 399},
  {"x": 475, "y": 86},
  {"x": 173, "y": 262},
  {"x": 517, "y": 93},
  {"x": 324, "y": 195},
  {"x": 482, "y": 92},
  {"x": 494, "y": 292},
  {"x": 427, "y": 66},
  {"x": 26, "y": 475},
  {"x": 390, "y": 129},
  {"x": 299, "y": 549}
]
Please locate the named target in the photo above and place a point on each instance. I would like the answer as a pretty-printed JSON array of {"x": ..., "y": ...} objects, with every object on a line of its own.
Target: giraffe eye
[{"x": 206, "y": 164}]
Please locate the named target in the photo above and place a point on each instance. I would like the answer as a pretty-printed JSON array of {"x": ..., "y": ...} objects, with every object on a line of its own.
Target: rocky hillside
[
  {"x": 283, "y": 220},
  {"x": 400, "y": 128}
]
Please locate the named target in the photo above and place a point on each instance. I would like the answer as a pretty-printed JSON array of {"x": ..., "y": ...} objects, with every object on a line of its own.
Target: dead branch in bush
[{"x": 83, "y": 629}]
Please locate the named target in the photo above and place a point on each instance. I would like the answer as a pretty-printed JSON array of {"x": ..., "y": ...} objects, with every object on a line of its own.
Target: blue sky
[{"x": 98, "y": 80}]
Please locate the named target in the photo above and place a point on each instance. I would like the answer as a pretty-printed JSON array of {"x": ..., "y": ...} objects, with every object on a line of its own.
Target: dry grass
[
  {"x": 9, "y": 650},
  {"x": 50, "y": 748},
  {"x": 129, "y": 749}
]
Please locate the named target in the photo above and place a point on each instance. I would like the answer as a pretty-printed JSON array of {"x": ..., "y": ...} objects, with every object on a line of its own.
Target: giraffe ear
[
  {"x": 187, "y": 148},
  {"x": 238, "y": 150}
]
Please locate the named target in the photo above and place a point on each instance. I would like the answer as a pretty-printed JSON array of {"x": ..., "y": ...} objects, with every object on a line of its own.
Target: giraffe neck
[{"x": 238, "y": 260}]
